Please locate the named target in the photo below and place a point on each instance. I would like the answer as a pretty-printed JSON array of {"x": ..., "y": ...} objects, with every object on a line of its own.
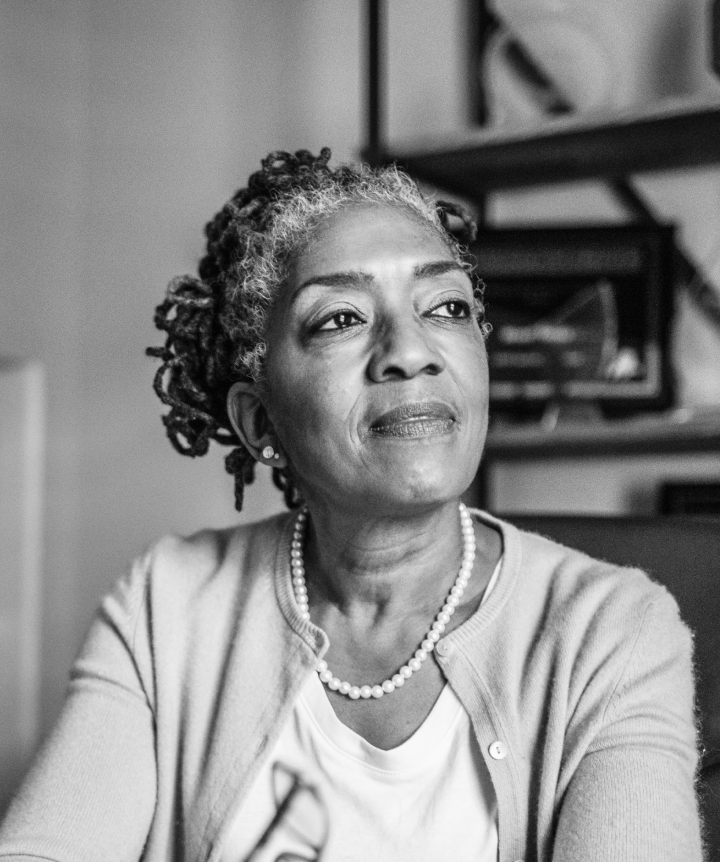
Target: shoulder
[
  {"x": 606, "y": 639},
  {"x": 547, "y": 568},
  {"x": 212, "y": 563},
  {"x": 589, "y": 606}
]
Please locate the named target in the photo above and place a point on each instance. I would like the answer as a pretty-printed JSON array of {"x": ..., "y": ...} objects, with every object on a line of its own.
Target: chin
[{"x": 420, "y": 487}]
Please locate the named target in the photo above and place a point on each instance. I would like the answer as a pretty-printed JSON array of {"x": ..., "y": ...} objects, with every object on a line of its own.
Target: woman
[{"x": 429, "y": 682}]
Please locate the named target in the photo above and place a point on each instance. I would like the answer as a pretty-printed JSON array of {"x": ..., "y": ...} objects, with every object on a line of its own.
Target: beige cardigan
[{"x": 581, "y": 669}]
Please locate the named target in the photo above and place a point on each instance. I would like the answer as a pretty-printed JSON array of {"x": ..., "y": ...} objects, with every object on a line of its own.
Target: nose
[{"x": 403, "y": 349}]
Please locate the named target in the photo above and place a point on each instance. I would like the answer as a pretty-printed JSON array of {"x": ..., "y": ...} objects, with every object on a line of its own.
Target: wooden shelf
[
  {"x": 678, "y": 431},
  {"x": 673, "y": 134}
]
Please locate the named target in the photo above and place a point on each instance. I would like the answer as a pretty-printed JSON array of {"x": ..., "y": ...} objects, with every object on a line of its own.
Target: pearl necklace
[{"x": 431, "y": 638}]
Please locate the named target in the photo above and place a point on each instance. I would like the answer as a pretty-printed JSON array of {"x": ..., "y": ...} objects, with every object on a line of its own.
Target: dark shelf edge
[
  {"x": 673, "y": 135},
  {"x": 640, "y": 437}
]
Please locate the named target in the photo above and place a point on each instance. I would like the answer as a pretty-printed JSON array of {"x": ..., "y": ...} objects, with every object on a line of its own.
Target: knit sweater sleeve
[
  {"x": 91, "y": 791},
  {"x": 632, "y": 797}
]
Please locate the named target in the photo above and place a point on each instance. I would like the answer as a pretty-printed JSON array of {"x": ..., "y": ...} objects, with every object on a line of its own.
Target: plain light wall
[{"x": 125, "y": 126}]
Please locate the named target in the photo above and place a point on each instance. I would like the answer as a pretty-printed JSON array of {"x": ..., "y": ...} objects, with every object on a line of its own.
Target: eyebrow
[
  {"x": 358, "y": 278},
  {"x": 438, "y": 267},
  {"x": 354, "y": 278}
]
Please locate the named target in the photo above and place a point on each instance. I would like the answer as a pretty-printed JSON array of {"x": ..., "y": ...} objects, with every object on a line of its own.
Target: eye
[
  {"x": 338, "y": 321},
  {"x": 454, "y": 309}
]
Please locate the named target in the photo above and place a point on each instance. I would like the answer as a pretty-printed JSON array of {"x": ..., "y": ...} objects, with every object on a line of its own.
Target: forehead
[{"x": 362, "y": 235}]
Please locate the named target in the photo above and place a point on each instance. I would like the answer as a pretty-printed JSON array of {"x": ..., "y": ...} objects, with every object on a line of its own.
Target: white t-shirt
[{"x": 430, "y": 798}]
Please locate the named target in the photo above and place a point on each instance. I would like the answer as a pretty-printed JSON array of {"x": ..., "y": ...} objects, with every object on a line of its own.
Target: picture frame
[{"x": 579, "y": 314}]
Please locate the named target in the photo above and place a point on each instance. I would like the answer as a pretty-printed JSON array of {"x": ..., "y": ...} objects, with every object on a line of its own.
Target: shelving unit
[{"x": 673, "y": 134}]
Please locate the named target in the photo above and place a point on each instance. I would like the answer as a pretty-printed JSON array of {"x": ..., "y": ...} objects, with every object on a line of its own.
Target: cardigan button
[
  {"x": 498, "y": 750},
  {"x": 444, "y": 648}
]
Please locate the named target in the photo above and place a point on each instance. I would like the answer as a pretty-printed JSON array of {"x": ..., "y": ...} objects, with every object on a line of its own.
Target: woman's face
[{"x": 377, "y": 382}]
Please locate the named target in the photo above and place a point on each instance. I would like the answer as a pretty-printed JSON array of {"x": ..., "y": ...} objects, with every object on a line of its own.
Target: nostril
[
  {"x": 403, "y": 370},
  {"x": 401, "y": 356}
]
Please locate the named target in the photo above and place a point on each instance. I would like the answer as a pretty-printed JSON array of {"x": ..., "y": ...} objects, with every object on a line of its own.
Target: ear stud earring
[{"x": 268, "y": 452}]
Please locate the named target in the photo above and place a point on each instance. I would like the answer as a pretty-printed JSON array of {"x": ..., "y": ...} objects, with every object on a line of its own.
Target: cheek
[
  {"x": 472, "y": 371},
  {"x": 310, "y": 405}
]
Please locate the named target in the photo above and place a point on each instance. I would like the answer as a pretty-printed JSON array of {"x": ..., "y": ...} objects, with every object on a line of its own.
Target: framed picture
[{"x": 578, "y": 314}]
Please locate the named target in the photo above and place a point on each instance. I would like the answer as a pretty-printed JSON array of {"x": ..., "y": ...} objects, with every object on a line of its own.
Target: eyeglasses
[{"x": 301, "y": 820}]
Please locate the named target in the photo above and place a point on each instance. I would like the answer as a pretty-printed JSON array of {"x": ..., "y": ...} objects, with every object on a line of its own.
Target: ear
[{"x": 250, "y": 421}]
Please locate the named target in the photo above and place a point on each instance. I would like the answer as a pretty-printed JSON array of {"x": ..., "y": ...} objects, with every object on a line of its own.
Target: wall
[
  {"x": 628, "y": 484},
  {"x": 125, "y": 125}
]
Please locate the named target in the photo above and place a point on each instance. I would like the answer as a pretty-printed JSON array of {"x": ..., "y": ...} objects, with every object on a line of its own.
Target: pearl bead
[{"x": 428, "y": 643}]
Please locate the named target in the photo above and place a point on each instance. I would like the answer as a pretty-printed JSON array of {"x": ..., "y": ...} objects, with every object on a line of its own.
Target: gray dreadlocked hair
[{"x": 215, "y": 322}]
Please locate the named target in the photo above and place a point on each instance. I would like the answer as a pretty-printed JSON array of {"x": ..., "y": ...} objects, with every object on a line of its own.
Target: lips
[{"x": 419, "y": 419}]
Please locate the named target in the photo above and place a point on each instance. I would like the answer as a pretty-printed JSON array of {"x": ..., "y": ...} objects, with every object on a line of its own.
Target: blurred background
[{"x": 125, "y": 126}]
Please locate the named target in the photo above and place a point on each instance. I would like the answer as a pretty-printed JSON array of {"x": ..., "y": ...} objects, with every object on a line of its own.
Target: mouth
[{"x": 421, "y": 419}]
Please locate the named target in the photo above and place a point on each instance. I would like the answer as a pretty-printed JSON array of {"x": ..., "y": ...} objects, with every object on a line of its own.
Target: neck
[{"x": 379, "y": 568}]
